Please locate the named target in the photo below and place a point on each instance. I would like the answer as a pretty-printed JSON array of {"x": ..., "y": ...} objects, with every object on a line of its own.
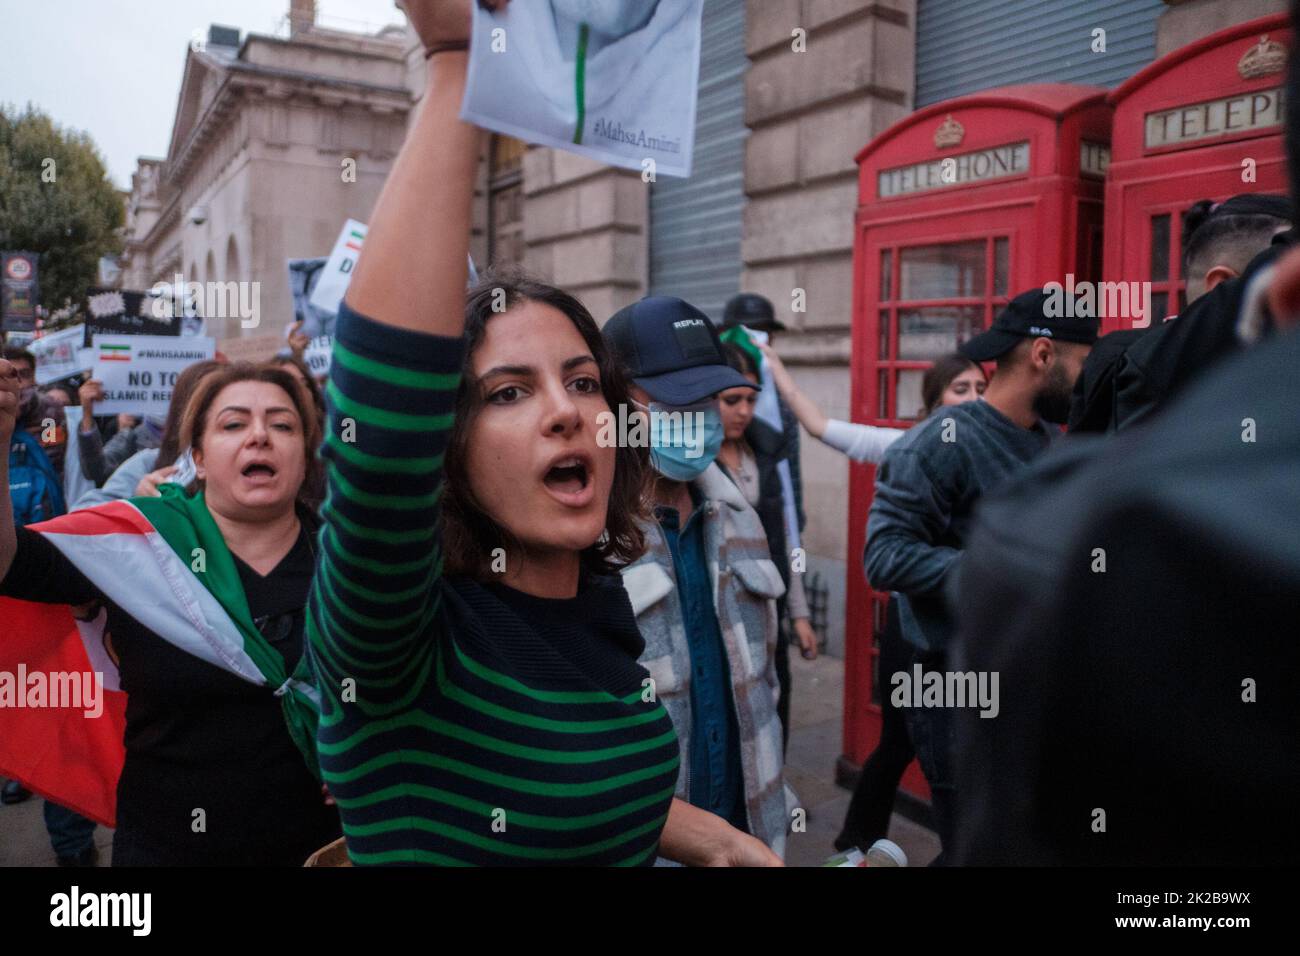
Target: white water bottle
[{"x": 886, "y": 853}]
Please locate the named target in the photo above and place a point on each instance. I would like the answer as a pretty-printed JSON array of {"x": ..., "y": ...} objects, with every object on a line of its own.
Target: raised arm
[
  {"x": 392, "y": 391},
  {"x": 804, "y": 408},
  {"x": 412, "y": 269}
]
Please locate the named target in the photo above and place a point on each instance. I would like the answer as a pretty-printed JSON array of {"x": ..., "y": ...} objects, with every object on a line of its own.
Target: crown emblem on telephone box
[
  {"x": 1265, "y": 57},
  {"x": 950, "y": 133}
]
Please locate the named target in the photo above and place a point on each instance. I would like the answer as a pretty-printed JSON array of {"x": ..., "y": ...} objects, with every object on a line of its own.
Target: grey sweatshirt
[{"x": 926, "y": 489}]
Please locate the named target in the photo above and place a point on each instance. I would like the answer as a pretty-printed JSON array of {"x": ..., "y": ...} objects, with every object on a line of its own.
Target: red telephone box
[
  {"x": 1203, "y": 122},
  {"x": 961, "y": 206}
]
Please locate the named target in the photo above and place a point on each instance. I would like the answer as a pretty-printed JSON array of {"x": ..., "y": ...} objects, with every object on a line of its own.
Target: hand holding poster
[
  {"x": 615, "y": 80},
  {"x": 138, "y": 372}
]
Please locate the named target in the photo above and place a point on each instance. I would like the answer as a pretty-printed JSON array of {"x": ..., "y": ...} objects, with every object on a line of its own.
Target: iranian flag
[{"x": 163, "y": 561}]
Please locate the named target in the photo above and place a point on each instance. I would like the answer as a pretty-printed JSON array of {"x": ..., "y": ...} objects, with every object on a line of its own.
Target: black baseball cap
[
  {"x": 1026, "y": 317},
  {"x": 752, "y": 311},
  {"x": 671, "y": 349}
]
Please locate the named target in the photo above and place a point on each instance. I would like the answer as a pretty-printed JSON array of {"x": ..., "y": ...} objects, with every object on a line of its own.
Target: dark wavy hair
[
  {"x": 469, "y": 535},
  {"x": 939, "y": 376}
]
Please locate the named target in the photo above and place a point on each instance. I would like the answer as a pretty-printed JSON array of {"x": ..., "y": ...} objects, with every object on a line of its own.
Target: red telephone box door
[{"x": 962, "y": 205}]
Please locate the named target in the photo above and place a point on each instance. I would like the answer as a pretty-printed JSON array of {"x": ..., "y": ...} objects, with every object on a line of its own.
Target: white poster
[
  {"x": 318, "y": 291},
  {"x": 138, "y": 372},
  {"x": 56, "y": 354},
  {"x": 615, "y": 80},
  {"x": 318, "y": 355},
  {"x": 332, "y": 281}
]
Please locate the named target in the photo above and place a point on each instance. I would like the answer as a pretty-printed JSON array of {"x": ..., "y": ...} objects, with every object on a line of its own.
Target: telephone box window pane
[
  {"x": 884, "y": 335},
  {"x": 1160, "y": 248},
  {"x": 882, "y": 389},
  {"x": 910, "y": 403},
  {"x": 1001, "y": 265},
  {"x": 932, "y": 332},
  {"x": 886, "y": 274},
  {"x": 1159, "y": 307},
  {"x": 955, "y": 270}
]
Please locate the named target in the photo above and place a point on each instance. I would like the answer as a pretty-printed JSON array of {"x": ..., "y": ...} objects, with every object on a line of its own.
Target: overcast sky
[{"x": 112, "y": 68}]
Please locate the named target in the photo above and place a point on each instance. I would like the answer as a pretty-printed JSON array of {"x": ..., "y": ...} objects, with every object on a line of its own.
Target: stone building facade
[{"x": 275, "y": 143}]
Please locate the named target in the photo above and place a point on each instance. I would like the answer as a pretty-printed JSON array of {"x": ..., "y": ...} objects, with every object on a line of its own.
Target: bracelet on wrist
[{"x": 450, "y": 45}]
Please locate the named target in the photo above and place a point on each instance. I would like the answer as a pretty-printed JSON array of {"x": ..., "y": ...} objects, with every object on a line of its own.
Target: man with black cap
[
  {"x": 931, "y": 478},
  {"x": 705, "y": 591},
  {"x": 776, "y": 452}
]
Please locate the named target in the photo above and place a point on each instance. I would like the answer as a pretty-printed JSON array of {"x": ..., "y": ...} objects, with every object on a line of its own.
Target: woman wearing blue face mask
[{"x": 705, "y": 591}]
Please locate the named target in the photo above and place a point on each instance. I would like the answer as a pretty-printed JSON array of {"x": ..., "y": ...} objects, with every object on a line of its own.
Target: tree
[{"x": 56, "y": 200}]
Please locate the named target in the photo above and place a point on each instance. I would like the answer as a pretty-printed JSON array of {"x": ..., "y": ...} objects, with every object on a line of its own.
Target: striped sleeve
[{"x": 391, "y": 396}]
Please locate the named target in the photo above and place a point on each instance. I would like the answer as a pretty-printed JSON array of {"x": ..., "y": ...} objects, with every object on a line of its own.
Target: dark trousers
[
  {"x": 70, "y": 833},
  {"x": 867, "y": 819},
  {"x": 931, "y": 729}
]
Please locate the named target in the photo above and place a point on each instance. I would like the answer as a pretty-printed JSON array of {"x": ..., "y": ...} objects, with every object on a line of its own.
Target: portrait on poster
[{"x": 615, "y": 80}]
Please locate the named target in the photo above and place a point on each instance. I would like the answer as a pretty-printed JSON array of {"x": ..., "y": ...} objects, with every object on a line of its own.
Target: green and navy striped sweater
[{"x": 463, "y": 723}]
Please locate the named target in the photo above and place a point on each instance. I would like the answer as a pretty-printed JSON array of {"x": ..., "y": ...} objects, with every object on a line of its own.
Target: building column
[{"x": 1188, "y": 20}]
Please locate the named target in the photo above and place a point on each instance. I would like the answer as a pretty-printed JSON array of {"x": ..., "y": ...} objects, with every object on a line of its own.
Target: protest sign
[
  {"x": 19, "y": 291},
  {"x": 251, "y": 348},
  {"x": 138, "y": 372},
  {"x": 319, "y": 354},
  {"x": 615, "y": 80},
  {"x": 124, "y": 312},
  {"x": 56, "y": 354},
  {"x": 332, "y": 281},
  {"x": 304, "y": 276},
  {"x": 323, "y": 282}
]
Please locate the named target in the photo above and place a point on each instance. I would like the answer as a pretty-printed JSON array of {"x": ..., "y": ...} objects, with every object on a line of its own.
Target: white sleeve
[{"x": 860, "y": 442}]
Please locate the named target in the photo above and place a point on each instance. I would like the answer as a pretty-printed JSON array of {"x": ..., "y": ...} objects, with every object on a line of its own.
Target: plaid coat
[{"x": 746, "y": 585}]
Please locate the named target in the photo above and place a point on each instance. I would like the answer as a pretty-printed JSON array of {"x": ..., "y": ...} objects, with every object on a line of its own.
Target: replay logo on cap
[{"x": 693, "y": 339}]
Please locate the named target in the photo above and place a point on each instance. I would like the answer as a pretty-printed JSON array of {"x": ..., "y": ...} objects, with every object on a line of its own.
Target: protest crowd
[{"x": 425, "y": 610}]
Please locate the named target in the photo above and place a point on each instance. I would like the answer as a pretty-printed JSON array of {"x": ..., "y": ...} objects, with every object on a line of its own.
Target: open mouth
[
  {"x": 258, "y": 469},
  {"x": 568, "y": 477}
]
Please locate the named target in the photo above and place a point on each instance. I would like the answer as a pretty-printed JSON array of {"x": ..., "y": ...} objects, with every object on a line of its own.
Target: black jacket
[
  {"x": 1159, "y": 691},
  {"x": 1132, "y": 373}
]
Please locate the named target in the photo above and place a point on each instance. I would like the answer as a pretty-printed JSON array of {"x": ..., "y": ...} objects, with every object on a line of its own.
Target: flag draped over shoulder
[{"x": 164, "y": 562}]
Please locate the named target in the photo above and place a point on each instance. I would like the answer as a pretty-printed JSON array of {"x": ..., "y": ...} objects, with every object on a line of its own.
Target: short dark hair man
[
  {"x": 1220, "y": 239},
  {"x": 930, "y": 479}
]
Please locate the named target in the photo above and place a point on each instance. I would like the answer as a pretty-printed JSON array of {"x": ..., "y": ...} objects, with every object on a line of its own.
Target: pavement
[
  {"x": 816, "y": 718},
  {"x": 816, "y": 710}
]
